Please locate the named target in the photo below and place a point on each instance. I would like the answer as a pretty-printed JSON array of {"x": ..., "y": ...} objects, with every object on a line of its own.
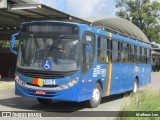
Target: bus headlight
[
  {"x": 17, "y": 78},
  {"x": 19, "y": 81},
  {"x": 68, "y": 85}
]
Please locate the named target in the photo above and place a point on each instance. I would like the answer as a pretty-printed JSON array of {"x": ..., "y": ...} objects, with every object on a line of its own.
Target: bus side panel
[
  {"x": 97, "y": 72},
  {"x": 122, "y": 78},
  {"x": 144, "y": 74},
  {"x": 118, "y": 73}
]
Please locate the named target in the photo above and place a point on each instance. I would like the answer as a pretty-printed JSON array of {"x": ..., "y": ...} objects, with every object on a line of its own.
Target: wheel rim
[
  {"x": 135, "y": 87},
  {"x": 96, "y": 95}
]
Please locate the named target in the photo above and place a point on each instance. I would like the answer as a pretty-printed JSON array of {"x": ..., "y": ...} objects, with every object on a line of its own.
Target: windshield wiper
[
  {"x": 58, "y": 39},
  {"x": 34, "y": 42},
  {"x": 55, "y": 44}
]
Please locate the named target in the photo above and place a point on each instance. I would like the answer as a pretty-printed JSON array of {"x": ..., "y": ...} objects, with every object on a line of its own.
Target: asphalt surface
[{"x": 11, "y": 102}]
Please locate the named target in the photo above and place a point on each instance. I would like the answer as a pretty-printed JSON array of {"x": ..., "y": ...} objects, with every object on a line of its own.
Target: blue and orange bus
[{"x": 76, "y": 62}]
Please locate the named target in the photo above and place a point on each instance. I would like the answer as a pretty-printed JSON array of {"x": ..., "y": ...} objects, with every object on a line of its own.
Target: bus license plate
[{"x": 38, "y": 92}]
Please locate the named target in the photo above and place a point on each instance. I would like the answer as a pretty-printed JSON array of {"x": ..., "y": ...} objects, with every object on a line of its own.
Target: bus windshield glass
[{"x": 48, "y": 53}]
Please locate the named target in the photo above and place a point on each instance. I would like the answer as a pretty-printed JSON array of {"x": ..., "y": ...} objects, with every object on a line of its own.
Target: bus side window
[
  {"x": 148, "y": 56},
  {"x": 102, "y": 50},
  {"x": 88, "y": 51},
  {"x": 132, "y": 53},
  {"x": 119, "y": 51},
  {"x": 129, "y": 53},
  {"x": 125, "y": 53},
  {"x": 138, "y": 55},
  {"x": 145, "y": 55},
  {"x": 135, "y": 55},
  {"x": 115, "y": 51},
  {"x": 109, "y": 49}
]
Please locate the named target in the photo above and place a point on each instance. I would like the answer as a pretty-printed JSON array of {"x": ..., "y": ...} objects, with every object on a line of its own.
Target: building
[
  {"x": 155, "y": 56},
  {"x": 12, "y": 14}
]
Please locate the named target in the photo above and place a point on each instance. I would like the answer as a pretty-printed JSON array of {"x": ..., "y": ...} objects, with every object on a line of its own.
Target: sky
[{"x": 84, "y": 8}]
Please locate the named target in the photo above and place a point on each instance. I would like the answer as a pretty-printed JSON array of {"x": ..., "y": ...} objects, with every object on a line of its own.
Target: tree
[{"x": 144, "y": 14}]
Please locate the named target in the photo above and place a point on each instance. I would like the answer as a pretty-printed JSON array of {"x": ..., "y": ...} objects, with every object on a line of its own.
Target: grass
[{"x": 145, "y": 100}]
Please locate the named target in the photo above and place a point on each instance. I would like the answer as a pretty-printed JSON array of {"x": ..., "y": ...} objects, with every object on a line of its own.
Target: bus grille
[
  {"x": 49, "y": 86},
  {"x": 42, "y": 75}
]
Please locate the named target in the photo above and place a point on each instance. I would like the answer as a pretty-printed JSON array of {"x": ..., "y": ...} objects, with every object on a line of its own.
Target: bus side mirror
[{"x": 12, "y": 43}]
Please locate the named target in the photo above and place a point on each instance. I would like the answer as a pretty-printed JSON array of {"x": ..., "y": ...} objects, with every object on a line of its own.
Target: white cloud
[
  {"x": 90, "y": 8},
  {"x": 83, "y": 8}
]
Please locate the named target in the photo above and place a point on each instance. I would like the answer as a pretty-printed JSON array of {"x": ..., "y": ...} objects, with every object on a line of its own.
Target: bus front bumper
[{"x": 70, "y": 94}]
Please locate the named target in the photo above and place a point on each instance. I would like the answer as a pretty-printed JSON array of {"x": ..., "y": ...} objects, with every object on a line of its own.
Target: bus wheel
[
  {"x": 44, "y": 101},
  {"x": 96, "y": 96},
  {"x": 135, "y": 86}
]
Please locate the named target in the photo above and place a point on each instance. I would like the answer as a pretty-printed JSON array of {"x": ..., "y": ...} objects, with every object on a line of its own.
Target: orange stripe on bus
[{"x": 109, "y": 79}]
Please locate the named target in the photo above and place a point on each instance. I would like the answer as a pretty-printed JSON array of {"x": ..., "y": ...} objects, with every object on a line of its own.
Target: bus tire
[
  {"x": 44, "y": 101},
  {"x": 96, "y": 96},
  {"x": 135, "y": 86}
]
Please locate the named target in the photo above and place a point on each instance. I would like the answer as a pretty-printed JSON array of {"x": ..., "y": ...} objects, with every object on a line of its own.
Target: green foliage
[
  {"x": 142, "y": 101},
  {"x": 144, "y": 14},
  {"x": 6, "y": 43}
]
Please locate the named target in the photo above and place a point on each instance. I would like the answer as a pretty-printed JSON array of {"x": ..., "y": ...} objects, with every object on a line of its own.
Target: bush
[{"x": 145, "y": 100}]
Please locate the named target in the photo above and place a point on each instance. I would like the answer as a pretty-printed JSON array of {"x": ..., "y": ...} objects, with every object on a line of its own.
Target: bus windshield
[{"x": 48, "y": 53}]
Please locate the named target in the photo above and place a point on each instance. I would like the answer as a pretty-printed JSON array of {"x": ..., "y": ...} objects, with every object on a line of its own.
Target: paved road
[
  {"x": 10, "y": 102},
  {"x": 155, "y": 84}
]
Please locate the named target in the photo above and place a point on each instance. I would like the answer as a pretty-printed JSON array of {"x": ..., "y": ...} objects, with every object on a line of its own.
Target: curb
[{"x": 7, "y": 84}]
